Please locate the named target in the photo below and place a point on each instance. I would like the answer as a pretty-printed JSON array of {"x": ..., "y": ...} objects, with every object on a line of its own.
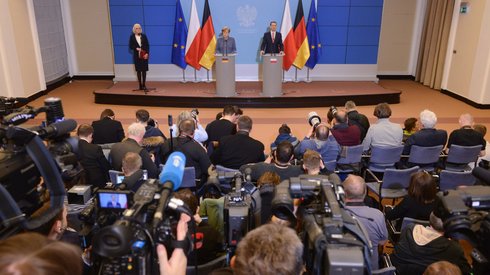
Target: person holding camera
[
  {"x": 200, "y": 134},
  {"x": 320, "y": 140},
  {"x": 356, "y": 118},
  {"x": 345, "y": 134}
]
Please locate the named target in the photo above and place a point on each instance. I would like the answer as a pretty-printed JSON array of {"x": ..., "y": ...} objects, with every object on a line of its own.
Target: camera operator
[
  {"x": 320, "y": 140},
  {"x": 92, "y": 158},
  {"x": 178, "y": 261},
  {"x": 133, "y": 175},
  {"x": 421, "y": 246},
  {"x": 268, "y": 249},
  {"x": 32, "y": 253},
  {"x": 207, "y": 241},
  {"x": 280, "y": 164},
  {"x": 372, "y": 219}
]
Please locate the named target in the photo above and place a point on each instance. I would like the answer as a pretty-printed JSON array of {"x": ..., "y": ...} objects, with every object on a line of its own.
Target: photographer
[
  {"x": 345, "y": 134},
  {"x": 200, "y": 134},
  {"x": 177, "y": 263},
  {"x": 280, "y": 164},
  {"x": 320, "y": 140}
]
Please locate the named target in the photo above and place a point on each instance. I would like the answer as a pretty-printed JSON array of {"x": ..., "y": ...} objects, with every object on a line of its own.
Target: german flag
[
  {"x": 207, "y": 46},
  {"x": 300, "y": 38}
]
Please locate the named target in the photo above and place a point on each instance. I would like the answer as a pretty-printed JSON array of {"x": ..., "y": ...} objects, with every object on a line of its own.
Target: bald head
[
  {"x": 321, "y": 132},
  {"x": 465, "y": 120},
  {"x": 341, "y": 116},
  {"x": 354, "y": 188}
]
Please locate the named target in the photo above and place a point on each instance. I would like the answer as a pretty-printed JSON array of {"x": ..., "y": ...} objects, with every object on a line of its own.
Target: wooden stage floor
[{"x": 313, "y": 94}]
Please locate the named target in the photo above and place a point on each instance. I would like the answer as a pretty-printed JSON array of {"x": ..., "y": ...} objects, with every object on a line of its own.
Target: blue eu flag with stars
[
  {"x": 313, "y": 37},
  {"x": 180, "y": 38}
]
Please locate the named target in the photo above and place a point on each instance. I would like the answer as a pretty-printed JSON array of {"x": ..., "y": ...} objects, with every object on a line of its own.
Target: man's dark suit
[
  {"x": 107, "y": 130},
  {"x": 119, "y": 150},
  {"x": 94, "y": 163},
  {"x": 268, "y": 46},
  {"x": 236, "y": 150},
  {"x": 426, "y": 137}
]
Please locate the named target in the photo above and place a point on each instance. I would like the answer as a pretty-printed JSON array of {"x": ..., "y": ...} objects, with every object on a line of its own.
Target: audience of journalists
[{"x": 227, "y": 143}]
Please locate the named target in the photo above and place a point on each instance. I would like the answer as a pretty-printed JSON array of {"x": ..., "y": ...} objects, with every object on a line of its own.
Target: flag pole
[
  {"x": 183, "y": 77},
  {"x": 207, "y": 73},
  {"x": 296, "y": 75},
  {"x": 308, "y": 80},
  {"x": 195, "y": 76}
]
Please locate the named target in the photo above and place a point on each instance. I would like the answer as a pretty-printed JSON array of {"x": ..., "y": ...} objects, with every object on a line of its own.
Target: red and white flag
[
  {"x": 288, "y": 38},
  {"x": 193, "y": 39}
]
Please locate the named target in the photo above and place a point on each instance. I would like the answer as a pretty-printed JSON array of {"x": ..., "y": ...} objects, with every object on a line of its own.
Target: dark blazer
[
  {"x": 140, "y": 64},
  {"x": 236, "y": 150},
  {"x": 272, "y": 47},
  {"x": 107, "y": 130},
  {"x": 119, "y": 150},
  {"x": 94, "y": 163},
  {"x": 425, "y": 137}
]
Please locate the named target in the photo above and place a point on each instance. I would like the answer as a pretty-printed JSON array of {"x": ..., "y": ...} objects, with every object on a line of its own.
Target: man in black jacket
[
  {"x": 356, "y": 118},
  {"x": 107, "y": 129},
  {"x": 195, "y": 154},
  {"x": 236, "y": 150},
  {"x": 93, "y": 161}
]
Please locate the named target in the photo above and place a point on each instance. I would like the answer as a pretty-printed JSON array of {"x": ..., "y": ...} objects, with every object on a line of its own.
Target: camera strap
[{"x": 185, "y": 244}]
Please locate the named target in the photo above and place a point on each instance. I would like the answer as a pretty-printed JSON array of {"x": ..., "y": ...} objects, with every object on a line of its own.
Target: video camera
[
  {"x": 334, "y": 241},
  {"x": 465, "y": 216},
  {"x": 127, "y": 245},
  {"x": 24, "y": 159}
]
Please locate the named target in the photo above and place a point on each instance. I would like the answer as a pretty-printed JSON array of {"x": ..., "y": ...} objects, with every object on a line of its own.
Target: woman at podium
[
  {"x": 226, "y": 44},
  {"x": 138, "y": 43}
]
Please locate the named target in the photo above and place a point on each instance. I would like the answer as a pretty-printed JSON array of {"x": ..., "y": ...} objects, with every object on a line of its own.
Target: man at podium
[
  {"x": 272, "y": 41},
  {"x": 226, "y": 44}
]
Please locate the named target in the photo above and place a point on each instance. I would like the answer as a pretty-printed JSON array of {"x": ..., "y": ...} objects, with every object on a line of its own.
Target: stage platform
[{"x": 203, "y": 95}]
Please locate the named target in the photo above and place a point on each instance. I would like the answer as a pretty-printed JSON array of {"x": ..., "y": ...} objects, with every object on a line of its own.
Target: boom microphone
[{"x": 171, "y": 178}]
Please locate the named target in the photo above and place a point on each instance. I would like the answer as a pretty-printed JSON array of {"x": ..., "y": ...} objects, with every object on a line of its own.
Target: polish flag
[
  {"x": 288, "y": 38},
  {"x": 193, "y": 39}
]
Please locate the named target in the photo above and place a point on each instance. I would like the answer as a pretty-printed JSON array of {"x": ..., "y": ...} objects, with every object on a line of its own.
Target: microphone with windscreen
[{"x": 171, "y": 179}]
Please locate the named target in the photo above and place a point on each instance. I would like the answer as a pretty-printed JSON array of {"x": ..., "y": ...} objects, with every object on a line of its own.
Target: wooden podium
[
  {"x": 225, "y": 75},
  {"x": 272, "y": 75}
]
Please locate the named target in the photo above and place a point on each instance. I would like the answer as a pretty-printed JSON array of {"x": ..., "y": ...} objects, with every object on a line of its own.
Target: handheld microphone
[{"x": 171, "y": 178}]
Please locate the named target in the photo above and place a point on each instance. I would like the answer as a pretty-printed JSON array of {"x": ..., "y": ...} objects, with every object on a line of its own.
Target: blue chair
[
  {"x": 189, "y": 179},
  {"x": 384, "y": 157},
  {"x": 116, "y": 177},
  {"x": 394, "y": 184},
  {"x": 459, "y": 157},
  {"x": 452, "y": 179},
  {"x": 425, "y": 157},
  {"x": 349, "y": 159}
]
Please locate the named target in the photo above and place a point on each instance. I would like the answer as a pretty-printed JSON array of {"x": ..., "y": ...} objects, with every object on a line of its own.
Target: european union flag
[
  {"x": 313, "y": 37},
  {"x": 180, "y": 38}
]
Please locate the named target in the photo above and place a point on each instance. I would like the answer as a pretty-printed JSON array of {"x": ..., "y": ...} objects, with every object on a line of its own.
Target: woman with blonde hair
[{"x": 138, "y": 43}]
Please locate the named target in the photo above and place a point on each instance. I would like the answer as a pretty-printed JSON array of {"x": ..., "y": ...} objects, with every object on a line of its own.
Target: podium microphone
[{"x": 171, "y": 178}]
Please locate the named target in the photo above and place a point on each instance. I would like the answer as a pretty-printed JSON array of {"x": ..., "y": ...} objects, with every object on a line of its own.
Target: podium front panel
[
  {"x": 225, "y": 76},
  {"x": 272, "y": 75}
]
